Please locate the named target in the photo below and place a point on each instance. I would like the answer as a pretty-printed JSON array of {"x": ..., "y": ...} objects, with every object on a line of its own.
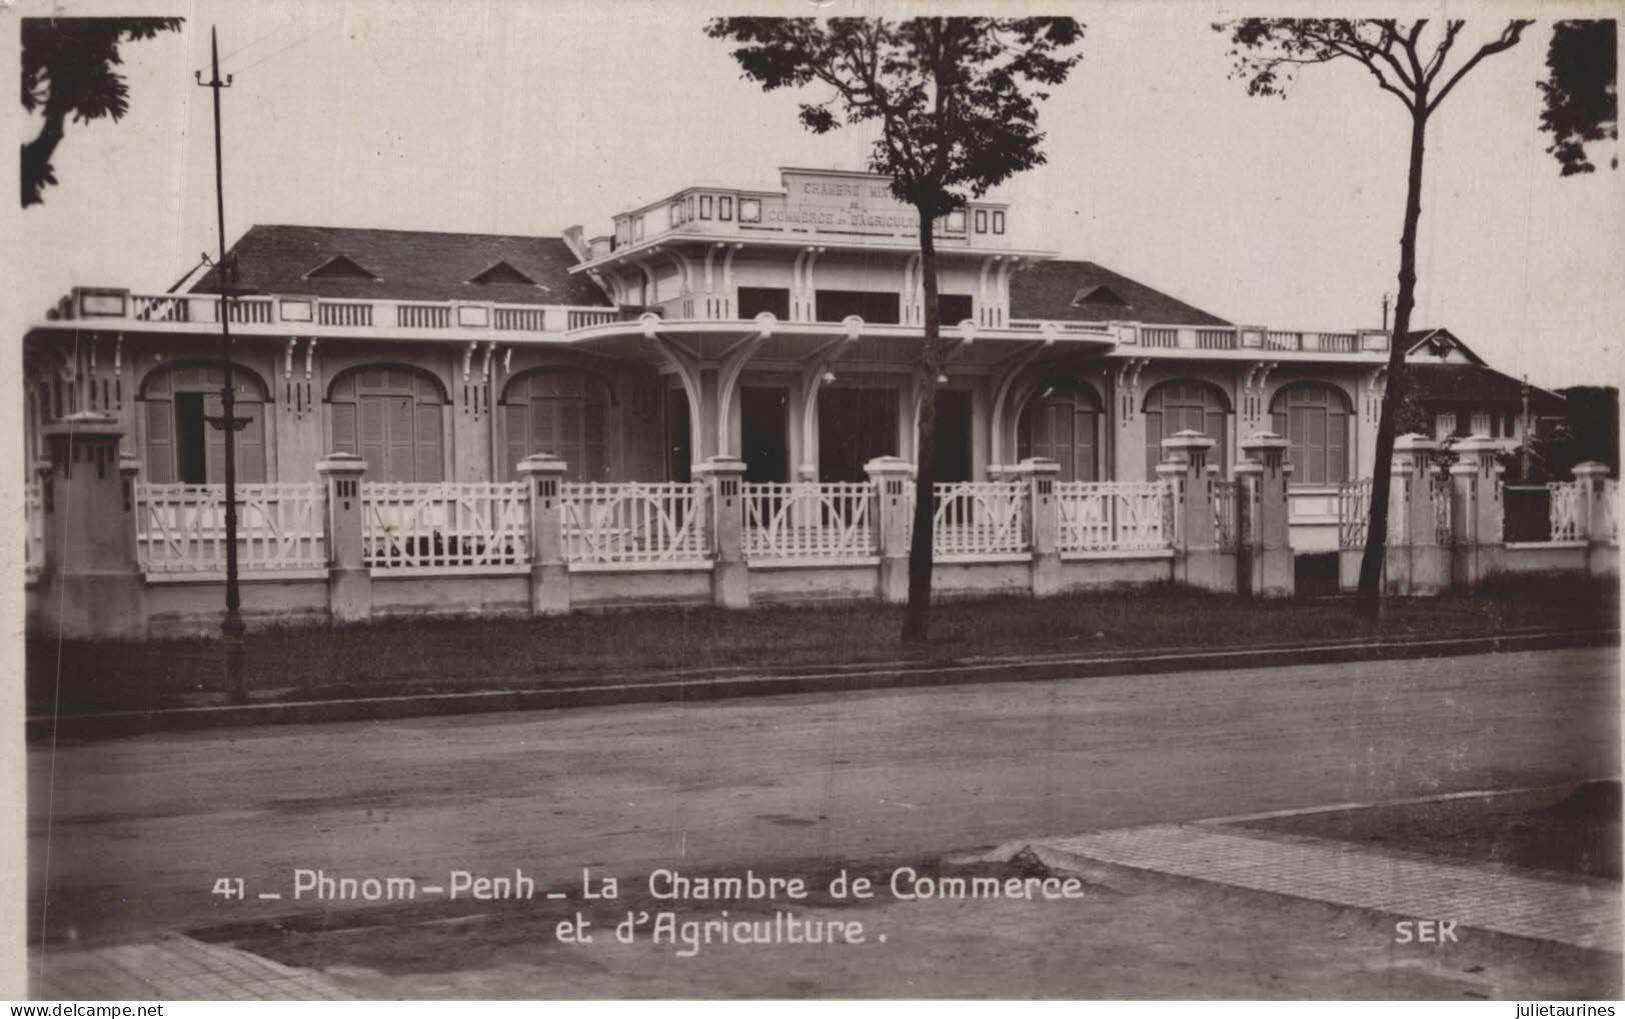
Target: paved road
[{"x": 134, "y": 832}]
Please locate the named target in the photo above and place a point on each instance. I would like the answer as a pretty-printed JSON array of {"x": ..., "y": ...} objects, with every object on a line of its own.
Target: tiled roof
[
  {"x": 408, "y": 264},
  {"x": 1414, "y": 338},
  {"x": 1476, "y": 385},
  {"x": 1047, "y": 290}
]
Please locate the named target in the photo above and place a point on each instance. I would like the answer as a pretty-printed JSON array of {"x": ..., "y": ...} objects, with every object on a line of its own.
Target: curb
[{"x": 887, "y": 677}]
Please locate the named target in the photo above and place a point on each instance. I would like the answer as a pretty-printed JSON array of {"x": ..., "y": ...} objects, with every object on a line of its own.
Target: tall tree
[
  {"x": 1581, "y": 99},
  {"x": 1420, "y": 65},
  {"x": 69, "y": 71},
  {"x": 956, "y": 102}
]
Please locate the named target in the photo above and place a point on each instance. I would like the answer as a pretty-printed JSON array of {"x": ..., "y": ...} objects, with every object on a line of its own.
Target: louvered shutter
[
  {"x": 372, "y": 445},
  {"x": 430, "y": 463},
  {"x": 1085, "y": 424},
  {"x": 516, "y": 422},
  {"x": 344, "y": 425},
  {"x": 160, "y": 441}
]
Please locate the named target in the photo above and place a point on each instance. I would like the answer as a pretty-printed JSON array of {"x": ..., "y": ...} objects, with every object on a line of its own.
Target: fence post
[
  {"x": 893, "y": 478},
  {"x": 90, "y": 582},
  {"x": 1476, "y": 478},
  {"x": 1413, "y": 562},
  {"x": 1196, "y": 552},
  {"x": 1039, "y": 474},
  {"x": 549, "y": 575},
  {"x": 349, "y": 581},
  {"x": 1265, "y": 475},
  {"x": 1598, "y": 535},
  {"x": 730, "y": 576}
]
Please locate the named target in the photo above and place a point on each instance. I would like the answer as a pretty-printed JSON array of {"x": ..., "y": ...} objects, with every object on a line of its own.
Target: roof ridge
[{"x": 403, "y": 230}]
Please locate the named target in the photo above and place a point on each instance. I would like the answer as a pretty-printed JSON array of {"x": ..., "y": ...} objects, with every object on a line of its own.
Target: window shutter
[
  {"x": 160, "y": 441},
  {"x": 1337, "y": 441},
  {"x": 516, "y": 422},
  {"x": 251, "y": 443},
  {"x": 1153, "y": 443},
  {"x": 371, "y": 411},
  {"x": 344, "y": 437},
  {"x": 399, "y": 428},
  {"x": 214, "y": 441},
  {"x": 430, "y": 459},
  {"x": 1086, "y": 423}
]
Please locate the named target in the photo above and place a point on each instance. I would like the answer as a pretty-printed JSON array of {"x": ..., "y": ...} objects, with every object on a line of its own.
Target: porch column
[
  {"x": 349, "y": 581},
  {"x": 893, "y": 478},
  {"x": 1196, "y": 551},
  {"x": 549, "y": 576},
  {"x": 730, "y": 578},
  {"x": 1039, "y": 474},
  {"x": 1263, "y": 478},
  {"x": 1413, "y": 561},
  {"x": 1598, "y": 518},
  {"x": 1476, "y": 510},
  {"x": 90, "y": 583}
]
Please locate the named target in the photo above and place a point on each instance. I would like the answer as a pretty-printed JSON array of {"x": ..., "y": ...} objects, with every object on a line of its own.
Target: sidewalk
[
  {"x": 702, "y": 685},
  {"x": 173, "y": 967}
]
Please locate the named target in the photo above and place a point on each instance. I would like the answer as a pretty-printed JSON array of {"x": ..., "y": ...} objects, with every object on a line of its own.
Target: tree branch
[{"x": 1509, "y": 38}]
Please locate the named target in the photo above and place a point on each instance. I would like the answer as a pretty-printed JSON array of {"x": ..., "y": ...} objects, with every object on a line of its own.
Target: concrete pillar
[
  {"x": 1263, "y": 477},
  {"x": 1196, "y": 552},
  {"x": 549, "y": 576},
  {"x": 349, "y": 581},
  {"x": 1039, "y": 474},
  {"x": 1598, "y": 515},
  {"x": 90, "y": 583},
  {"x": 1476, "y": 510},
  {"x": 893, "y": 478},
  {"x": 723, "y": 478},
  {"x": 1413, "y": 561}
]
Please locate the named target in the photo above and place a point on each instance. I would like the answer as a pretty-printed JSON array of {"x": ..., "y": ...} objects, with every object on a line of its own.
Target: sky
[{"x": 502, "y": 116}]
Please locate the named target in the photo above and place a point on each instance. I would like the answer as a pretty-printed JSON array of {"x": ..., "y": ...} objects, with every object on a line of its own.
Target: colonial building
[
  {"x": 783, "y": 326},
  {"x": 1461, "y": 395}
]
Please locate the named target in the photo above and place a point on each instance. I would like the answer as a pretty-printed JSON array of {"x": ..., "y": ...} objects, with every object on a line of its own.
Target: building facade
[{"x": 780, "y": 326}]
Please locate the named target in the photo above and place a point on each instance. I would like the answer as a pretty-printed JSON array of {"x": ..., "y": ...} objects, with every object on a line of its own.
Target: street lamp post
[{"x": 231, "y": 627}]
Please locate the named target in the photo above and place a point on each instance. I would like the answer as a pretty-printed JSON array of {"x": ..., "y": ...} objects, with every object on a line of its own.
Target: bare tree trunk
[
  {"x": 917, "y": 617},
  {"x": 1368, "y": 601}
]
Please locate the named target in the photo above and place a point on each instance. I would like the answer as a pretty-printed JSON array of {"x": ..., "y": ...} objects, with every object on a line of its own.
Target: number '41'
[{"x": 228, "y": 887}]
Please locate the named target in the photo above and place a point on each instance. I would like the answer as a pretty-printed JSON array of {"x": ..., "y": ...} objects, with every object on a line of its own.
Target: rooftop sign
[{"x": 847, "y": 202}]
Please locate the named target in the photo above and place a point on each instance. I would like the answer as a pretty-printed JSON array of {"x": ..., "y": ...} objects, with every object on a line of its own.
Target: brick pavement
[
  {"x": 1574, "y": 911},
  {"x": 172, "y": 967}
]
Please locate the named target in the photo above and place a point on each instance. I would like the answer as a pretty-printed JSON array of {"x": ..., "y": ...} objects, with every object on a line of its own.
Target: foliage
[
  {"x": 956, "y": 100},
  {"x": 1412, "y": 63},
  {"x": 955, "y": 97},
  {"x": 1581, "y": 98},
  {"x": 69, "y": 71}
]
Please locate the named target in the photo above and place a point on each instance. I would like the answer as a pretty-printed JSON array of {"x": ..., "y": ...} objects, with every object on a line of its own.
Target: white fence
[
  {"x": 1353, "y": 512},
  {"x": 632, "y": 523},
  {"x": 1225, "y": 494},
  {"x": 810, "y": 522},
  {"x": 979, "y": 518},
  {"x": 182, "y": 528},
  {"x": 1567, "y": 510},
  {"x": 442, "y": 527},
  {"x": 1609, "y": 511},
  {"x": 1113, "y": 516}
]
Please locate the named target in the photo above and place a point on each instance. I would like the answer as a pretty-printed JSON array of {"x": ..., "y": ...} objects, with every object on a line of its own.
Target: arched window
[
  {"x": 562, "y": 412},
  {"x": 1062, "y": 422},
  {"x": 1314, "y": 417},
  {"x": 1180, "y": 405},
  {"x": 183, "y": 413},
  {"x": 392, "y": 416}
]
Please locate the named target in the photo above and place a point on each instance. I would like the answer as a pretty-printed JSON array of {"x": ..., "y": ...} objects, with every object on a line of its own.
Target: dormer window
[
  {"x": 340, "y": 268},
  {"x": 502, "y": 272},
  {"x": 1098, "y": 295}
]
